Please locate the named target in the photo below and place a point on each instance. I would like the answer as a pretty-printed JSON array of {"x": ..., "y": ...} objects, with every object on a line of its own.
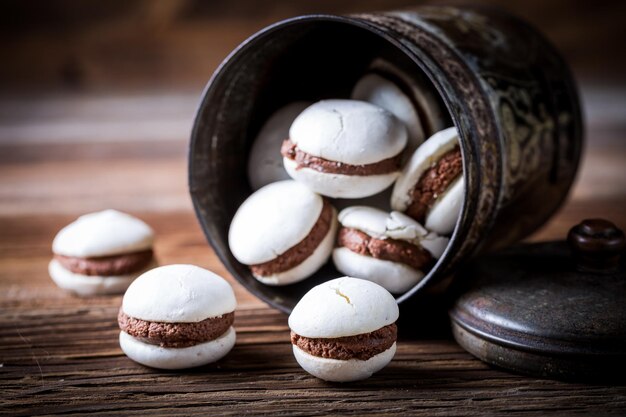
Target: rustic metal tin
[
  {"x": 505, "y": 87},
  {"x": 539, "y": 309}
]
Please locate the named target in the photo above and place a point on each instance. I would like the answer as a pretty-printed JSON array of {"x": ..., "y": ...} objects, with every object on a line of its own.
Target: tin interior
[{"x": 308, "y": 58}]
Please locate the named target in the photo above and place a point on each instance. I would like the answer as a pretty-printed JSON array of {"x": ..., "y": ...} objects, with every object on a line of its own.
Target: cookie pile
[
  {"x": 399, "y": 198},
  {"x": 401, "y": 195}
]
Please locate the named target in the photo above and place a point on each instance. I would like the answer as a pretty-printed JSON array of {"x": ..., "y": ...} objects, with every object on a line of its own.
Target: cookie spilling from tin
[
  {"x": 431, "y": 187},
  {"x": 390, "y": 249},
  {"x": 284, "y": 232},
  {"x": 345, "y": 148}
]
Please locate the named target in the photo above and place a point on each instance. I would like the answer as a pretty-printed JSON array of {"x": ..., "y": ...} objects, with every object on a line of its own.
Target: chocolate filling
[
  {"x": 304, "y": 160},
  {"x": 295, "y": 255},
  {"x": 386, "y": 249},
  {"x": 362, "y": 346},
  {"x": 434, "y": 182},
  {"x": 175, "y": 335},
  {"x": 107, "y": 265}
]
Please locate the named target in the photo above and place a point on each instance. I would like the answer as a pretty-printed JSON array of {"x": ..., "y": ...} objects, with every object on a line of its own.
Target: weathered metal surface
[{"x": 531, "y": 309}]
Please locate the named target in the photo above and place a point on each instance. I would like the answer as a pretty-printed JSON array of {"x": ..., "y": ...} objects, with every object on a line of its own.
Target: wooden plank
[
  {"x": 142, "y": 44},
  {"x": 60, "y": 360},
  {"x": 60, "y": 354},
  {"x": 80, "y": 153}
]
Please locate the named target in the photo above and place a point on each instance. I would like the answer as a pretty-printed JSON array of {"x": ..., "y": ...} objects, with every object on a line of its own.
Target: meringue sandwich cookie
[
  {"x": 390, "y": 249},
  {"x": 177, "y": 316},
  {"x": 431, "y": 187},
  {"x": 265, "y": 164},
  {"x": 284, "y": 232},
  {"x": 419, "y": 90},
  {"x": 101, "y": 253},
  {"x": 344, "y": 329},
  {"x": 377, "y": 90},
  {"x": 345, "y": 148}
]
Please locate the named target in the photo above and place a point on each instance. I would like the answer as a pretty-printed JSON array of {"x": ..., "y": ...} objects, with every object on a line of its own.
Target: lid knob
[{"x": 597, "y": 245}]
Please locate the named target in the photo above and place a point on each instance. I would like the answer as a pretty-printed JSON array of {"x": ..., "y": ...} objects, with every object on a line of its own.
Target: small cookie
[
  {"x": 345, "y": 148},
  {"x": 101, "y": 253},
  {"x": 344, "y": 329},
  {"x": 177, "y": 316},
  {"x": 380, "y": 91},
  {"x": 265, "y": 163},
  {"x": 431, "y": 187},
  {"x": 390, "y": 249},
  {"x": 284, "y": 232},
  {"x": 416, "y": 86}
]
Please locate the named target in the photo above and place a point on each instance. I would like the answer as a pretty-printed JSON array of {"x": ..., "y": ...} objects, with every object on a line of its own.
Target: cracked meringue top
[
  {"x": 343, "y": 307},
  {"x": 348, "y": 131}
]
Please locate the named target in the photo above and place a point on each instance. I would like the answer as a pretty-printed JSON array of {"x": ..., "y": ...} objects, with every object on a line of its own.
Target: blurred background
[
  {"x": 97, "y": 97},
  {"x": 136, "y": 45}
]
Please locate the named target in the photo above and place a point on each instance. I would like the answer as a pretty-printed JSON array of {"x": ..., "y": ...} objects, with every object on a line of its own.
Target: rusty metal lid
[{"x": 554, "y": 309}]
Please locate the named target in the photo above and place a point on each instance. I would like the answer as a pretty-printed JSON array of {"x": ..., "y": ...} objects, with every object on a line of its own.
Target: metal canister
[{"x": 506, "y": 89}]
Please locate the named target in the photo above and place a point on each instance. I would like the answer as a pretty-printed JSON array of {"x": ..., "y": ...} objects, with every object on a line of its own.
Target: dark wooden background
[
  {"x": 98, "y": 46},
  {"x": 96, "y": 104}
]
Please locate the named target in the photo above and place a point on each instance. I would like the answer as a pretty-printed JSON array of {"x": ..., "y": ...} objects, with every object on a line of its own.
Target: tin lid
[{"x": 554, "y": 309}]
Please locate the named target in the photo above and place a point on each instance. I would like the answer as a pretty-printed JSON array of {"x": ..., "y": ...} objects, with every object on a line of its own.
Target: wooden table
[{"x": 59, "y": 354}]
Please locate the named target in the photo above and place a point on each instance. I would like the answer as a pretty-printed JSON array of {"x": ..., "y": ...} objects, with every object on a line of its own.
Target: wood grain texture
[
  {"x": 59, "y": 354},
  {"x": 124, "y": 44}
]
